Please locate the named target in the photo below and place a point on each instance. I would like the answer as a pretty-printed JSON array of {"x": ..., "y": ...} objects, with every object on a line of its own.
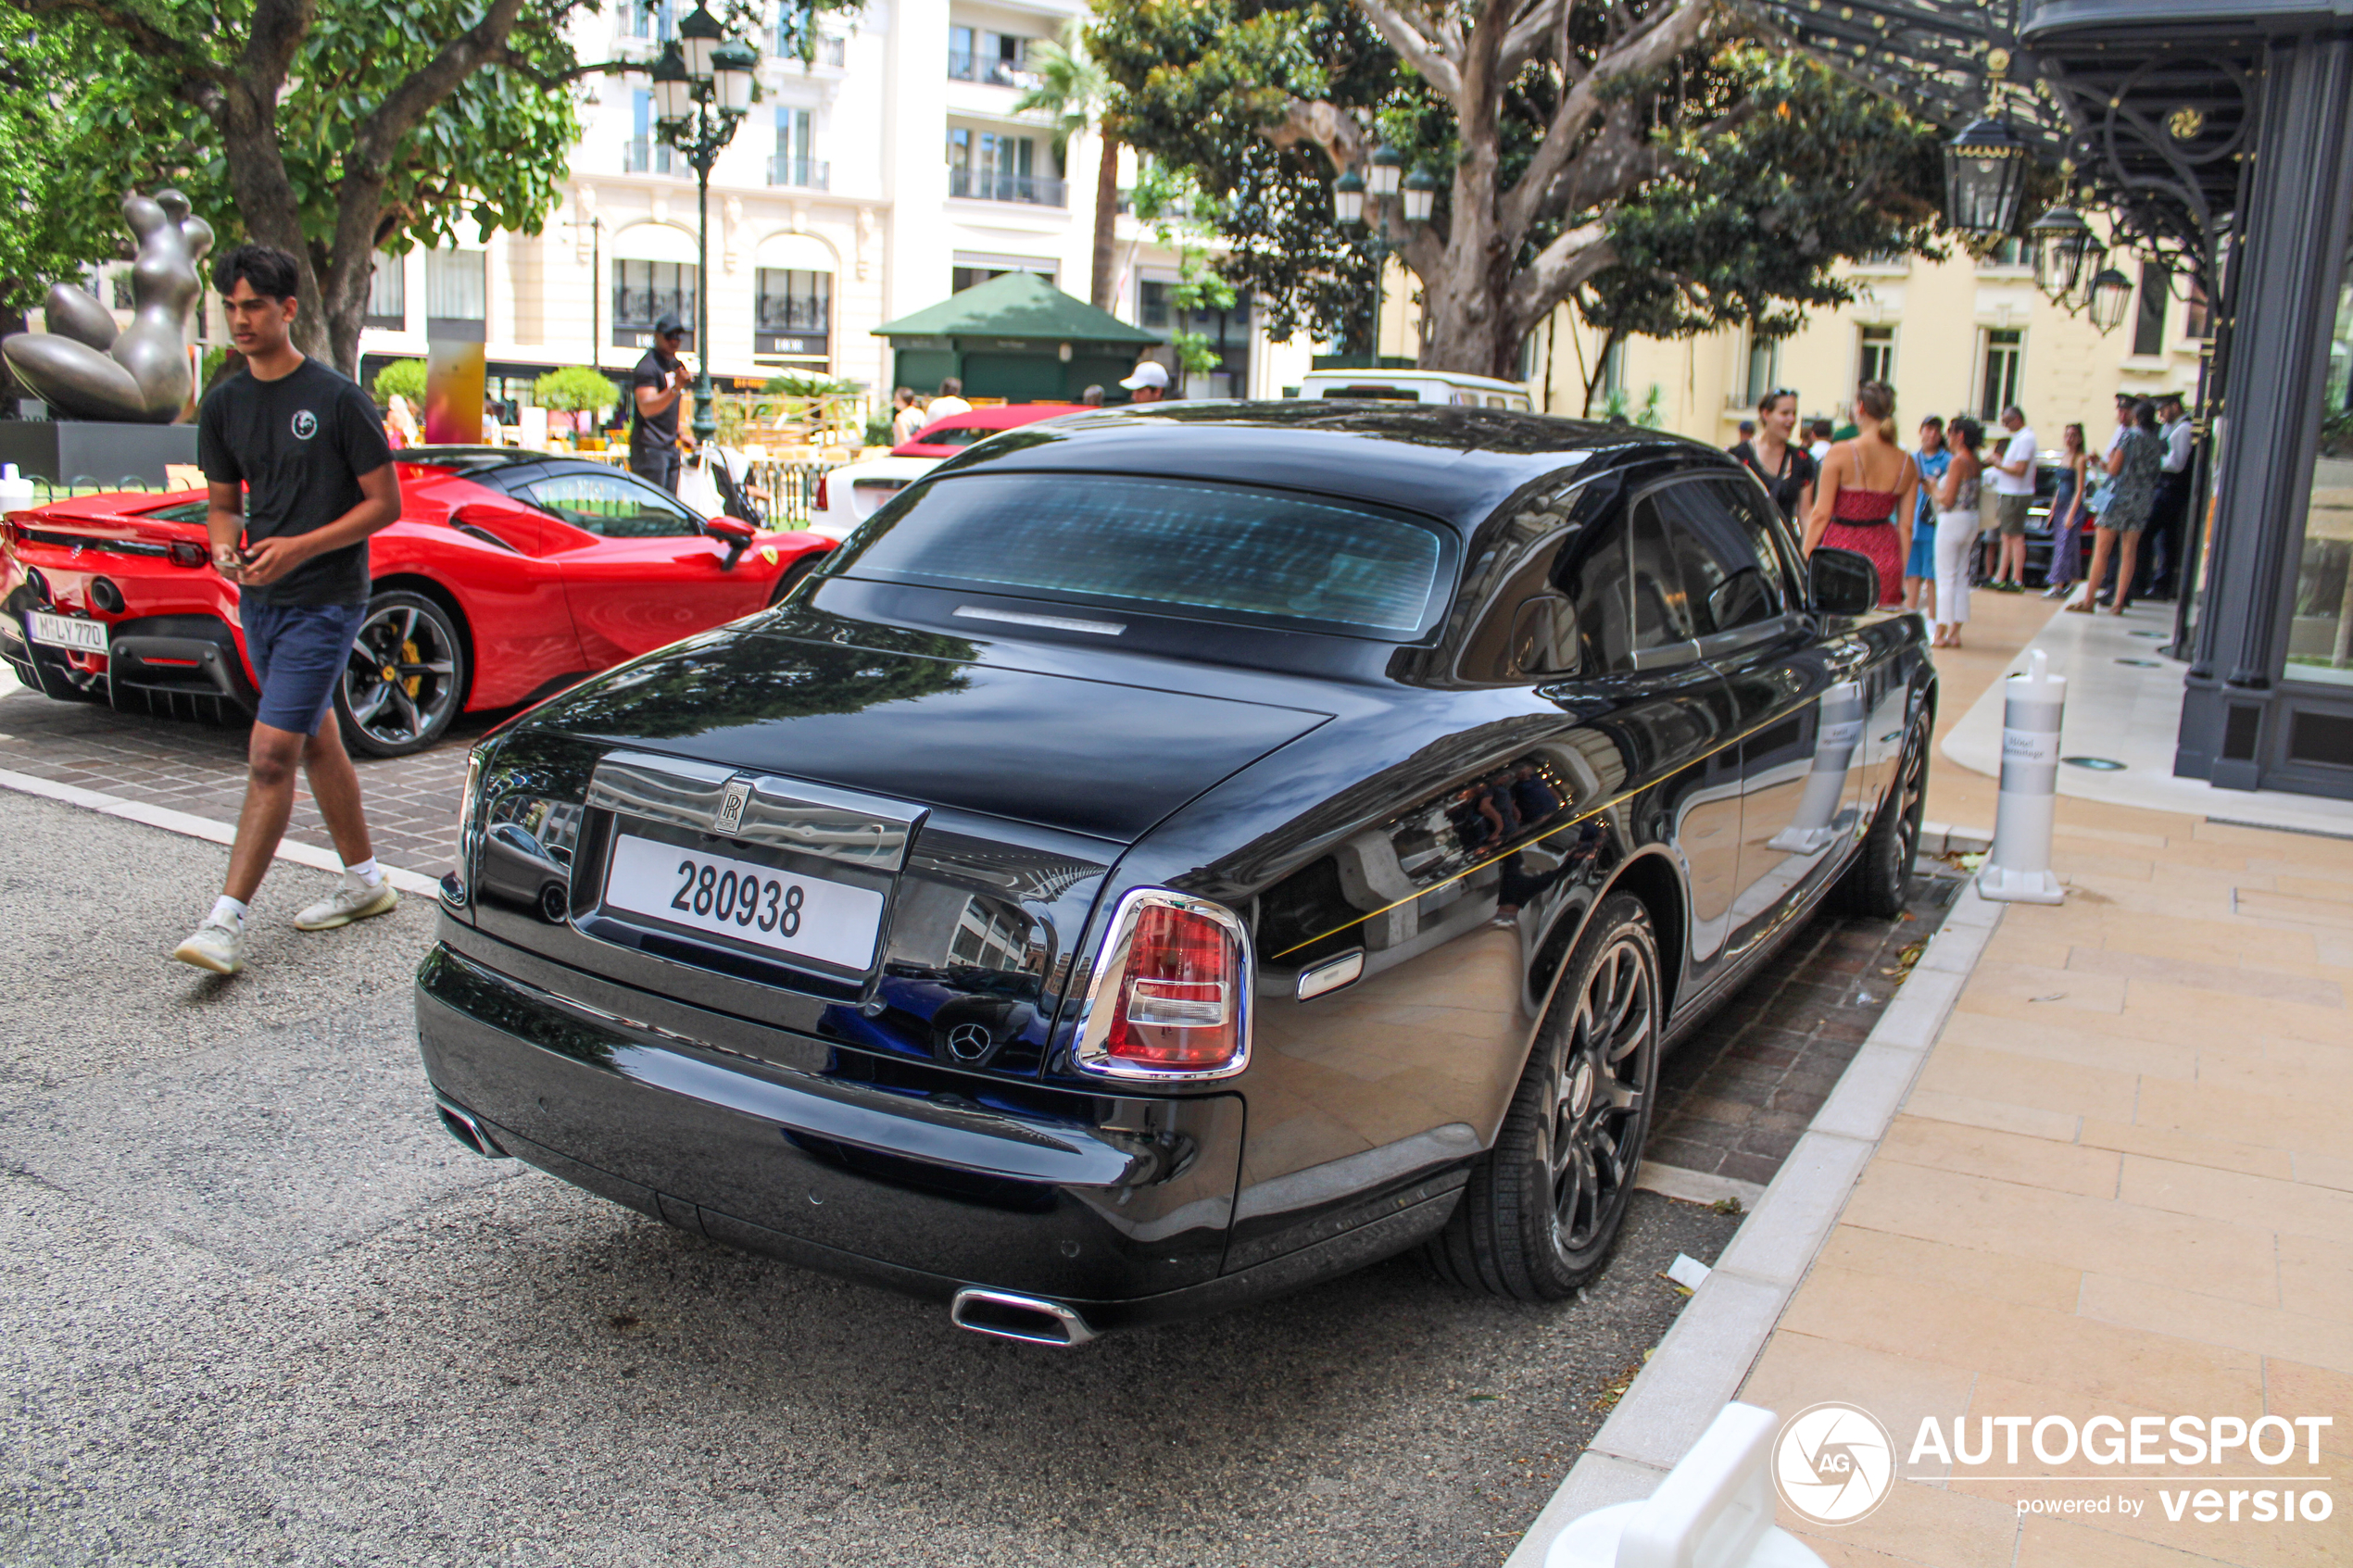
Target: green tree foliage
[
  {"x": 405, "y": 378},
  {"x": 331, "y": 128},
  {"x": 1072, "y": 88},
  {"x": 1652, "y": 163},
  {"x": 576, "y": 390}
]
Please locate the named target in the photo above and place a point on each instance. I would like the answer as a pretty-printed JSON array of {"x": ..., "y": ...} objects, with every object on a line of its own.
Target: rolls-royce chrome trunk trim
[{"x": 1166, "y": 857}]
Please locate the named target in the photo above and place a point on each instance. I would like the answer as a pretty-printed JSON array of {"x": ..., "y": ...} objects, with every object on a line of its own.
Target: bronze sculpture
[{"x": 83, "y": 366}]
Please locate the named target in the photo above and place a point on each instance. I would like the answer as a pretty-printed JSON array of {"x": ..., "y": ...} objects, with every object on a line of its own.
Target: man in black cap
[{"x": 658, "y": 386}]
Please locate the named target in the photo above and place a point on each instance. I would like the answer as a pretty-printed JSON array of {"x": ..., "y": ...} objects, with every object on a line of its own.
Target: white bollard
[
  {"x": 2018, "y": 869},
  {"x": 1715, "y": 1510},
  {"x": 15, "y": 493}
]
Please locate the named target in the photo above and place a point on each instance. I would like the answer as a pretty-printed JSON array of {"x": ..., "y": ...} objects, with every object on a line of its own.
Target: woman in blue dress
[
  {"x": 1920, "y": 570},
  {"x": 2066, "y": 514}
]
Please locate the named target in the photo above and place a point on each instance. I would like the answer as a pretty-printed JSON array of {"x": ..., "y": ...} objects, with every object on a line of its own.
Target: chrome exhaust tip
[
  {"x": 1032, "y": 1319},
  {"x": 462, "y": 1125}
]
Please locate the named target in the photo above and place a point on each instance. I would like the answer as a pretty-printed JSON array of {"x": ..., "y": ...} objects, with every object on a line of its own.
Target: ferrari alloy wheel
[
  {"x": 1880, "y": 878},
  {"x": 1544, "y": 1207},
  {"x": 406, "y": 679}
]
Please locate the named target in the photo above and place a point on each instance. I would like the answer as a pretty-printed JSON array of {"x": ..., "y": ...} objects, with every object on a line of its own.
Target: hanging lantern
[
  {"x": 702, "y": 34},
  {"x": 1348, "y": 200},
  {"x": 734, "y": 65},
  {"x": 674, "y": 90},
  {"x": 2111, "y": 296},
  {"x": 1421, "y": 194},
  {"x": 1985, "y": 170},
  {"x": 1389, "y": 165},
  {"x": 2061, "y": 241}
]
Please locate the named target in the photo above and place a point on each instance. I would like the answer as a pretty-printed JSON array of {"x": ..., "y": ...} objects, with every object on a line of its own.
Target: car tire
[
  {"x": 1878, "y": 880},
  {"x": 1544, "y": 1207},
  {"x": 416, "y": 639},
  {"x": 790, "y": 578}
]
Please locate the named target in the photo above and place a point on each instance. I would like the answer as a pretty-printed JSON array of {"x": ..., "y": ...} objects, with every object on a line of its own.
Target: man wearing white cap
[{"x": 1149, "y": 384}]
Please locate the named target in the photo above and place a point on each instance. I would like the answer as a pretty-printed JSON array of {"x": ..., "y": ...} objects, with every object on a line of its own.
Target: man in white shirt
[
  {"x": 2172, "y": 503},
  {"x": 2011, "y": 477},
  {"x": 950, "y": 401}
]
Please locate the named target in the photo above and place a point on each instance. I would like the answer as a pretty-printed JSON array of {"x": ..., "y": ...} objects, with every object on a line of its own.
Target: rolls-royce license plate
[
  {"x": 807, "y": 917},
  {"x": 68, "y": 631}
]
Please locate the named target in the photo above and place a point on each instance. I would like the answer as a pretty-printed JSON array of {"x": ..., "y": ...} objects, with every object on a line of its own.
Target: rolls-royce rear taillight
[
  {"x": 821, "y": 491},
  {"x": 1171, "y": 996}
]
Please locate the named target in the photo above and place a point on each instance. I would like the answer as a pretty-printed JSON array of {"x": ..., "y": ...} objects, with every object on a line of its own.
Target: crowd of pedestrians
[{"x": 1950, "y": 514}]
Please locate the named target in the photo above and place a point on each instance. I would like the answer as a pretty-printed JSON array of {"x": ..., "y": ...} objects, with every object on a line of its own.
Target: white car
[
  {"x": 848, "y": 496},
  {"x": 1417, "y": 386}
]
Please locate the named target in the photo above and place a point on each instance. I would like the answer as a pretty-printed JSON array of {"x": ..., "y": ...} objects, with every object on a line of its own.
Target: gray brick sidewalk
[{"x": 200, "y": 769}]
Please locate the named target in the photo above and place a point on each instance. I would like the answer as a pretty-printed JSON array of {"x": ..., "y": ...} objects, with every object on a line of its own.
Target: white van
[{"x": 1417, "y": 386}]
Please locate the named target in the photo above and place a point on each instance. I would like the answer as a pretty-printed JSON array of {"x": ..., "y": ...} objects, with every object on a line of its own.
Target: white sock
[
  {"x": 367, "y": 872},
  {"x": 227, "y": 911}
]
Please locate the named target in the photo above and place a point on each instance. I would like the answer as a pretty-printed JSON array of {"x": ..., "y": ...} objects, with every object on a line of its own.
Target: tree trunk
[
  {"x": 1610, "y": 340},
  {"x": 1100, "y": 279}
]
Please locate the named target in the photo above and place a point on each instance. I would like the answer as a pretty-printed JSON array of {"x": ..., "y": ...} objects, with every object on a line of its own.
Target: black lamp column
[
  {"x": 1350, "y": 210},
  {"x": 702, "y": 93}
]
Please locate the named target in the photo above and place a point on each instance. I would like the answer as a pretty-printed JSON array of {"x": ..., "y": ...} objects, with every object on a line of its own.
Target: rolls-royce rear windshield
[{"x": 1176, "y": 546}]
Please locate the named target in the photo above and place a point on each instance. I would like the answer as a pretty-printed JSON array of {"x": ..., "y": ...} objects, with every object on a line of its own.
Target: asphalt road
[{"x": 255, "y": 1307}]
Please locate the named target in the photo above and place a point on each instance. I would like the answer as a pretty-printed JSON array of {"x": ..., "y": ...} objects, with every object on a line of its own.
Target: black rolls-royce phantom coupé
[{"x": 1169, "y": 856}]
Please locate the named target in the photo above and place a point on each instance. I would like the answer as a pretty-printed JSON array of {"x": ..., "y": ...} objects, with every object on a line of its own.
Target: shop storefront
[{"x": 2216, "y": 137}]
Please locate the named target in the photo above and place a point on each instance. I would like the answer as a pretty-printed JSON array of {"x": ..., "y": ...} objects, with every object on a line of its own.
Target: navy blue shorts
[{"x": 298, "y": 653}]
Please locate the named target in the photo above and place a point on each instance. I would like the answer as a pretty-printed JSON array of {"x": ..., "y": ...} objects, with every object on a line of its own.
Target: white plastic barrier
[
  {"x": 16, "y": 493},
  {"x": 2018, "y": 869},
  {"x": 1715, "y": 1510}
]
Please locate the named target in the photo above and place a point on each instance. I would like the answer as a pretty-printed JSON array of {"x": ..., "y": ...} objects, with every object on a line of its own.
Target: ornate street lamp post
[
  {"x": 2111, "y": 296},
  {"x": 702, "y": 93},
  {"x": 1357, "y": 216}
]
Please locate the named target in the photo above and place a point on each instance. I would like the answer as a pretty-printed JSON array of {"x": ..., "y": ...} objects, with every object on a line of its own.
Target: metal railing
[
  {"x": 807, "y": 173},
  {"x": 981, "y": 185},
  {"x": 964, "y": 65},
  {"x": 643, "y": 154}
]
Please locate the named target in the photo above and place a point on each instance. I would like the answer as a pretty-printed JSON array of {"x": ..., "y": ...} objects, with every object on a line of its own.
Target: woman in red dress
[{"x": 1863, "y": 500}]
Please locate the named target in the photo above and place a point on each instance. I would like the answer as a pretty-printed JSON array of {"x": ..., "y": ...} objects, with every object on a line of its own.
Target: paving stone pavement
[
  {"x": 192, "y": 766},
  {"x": 1735, "y": 1097}
]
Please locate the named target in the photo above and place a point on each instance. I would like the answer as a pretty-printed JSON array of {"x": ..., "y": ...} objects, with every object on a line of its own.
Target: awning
[{"x": 1017, "y": 306}]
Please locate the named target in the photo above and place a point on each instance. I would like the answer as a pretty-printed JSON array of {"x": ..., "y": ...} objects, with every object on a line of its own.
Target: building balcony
[
  {"x": 801, "y": 173},
  {"x": 965, "y": 66},
  {"x": 645, "y": 154},
  {"x": 978, "y": 184}
]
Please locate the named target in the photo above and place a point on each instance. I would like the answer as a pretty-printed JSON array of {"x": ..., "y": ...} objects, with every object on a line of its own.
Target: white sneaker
[
  {"x": 217, "y": 946},
  {"x": 350, "y": 901}
]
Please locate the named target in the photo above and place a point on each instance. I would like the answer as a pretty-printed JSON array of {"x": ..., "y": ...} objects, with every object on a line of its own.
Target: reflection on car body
[{"x": 1279, "y": 870}]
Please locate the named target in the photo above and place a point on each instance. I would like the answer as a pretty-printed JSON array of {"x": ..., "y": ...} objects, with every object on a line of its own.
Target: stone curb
[
  {"x": 198, "y": 827},
  {"x": 1706, "y": 1356}
]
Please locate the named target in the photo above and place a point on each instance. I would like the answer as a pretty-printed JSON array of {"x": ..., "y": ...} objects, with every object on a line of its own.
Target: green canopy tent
[{"x": 1017, "y": 337}]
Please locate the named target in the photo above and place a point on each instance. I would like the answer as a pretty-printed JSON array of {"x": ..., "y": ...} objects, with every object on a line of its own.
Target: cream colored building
[
  {"x": 1953, "y": 336},
  {"x": 874, "y": 180}
]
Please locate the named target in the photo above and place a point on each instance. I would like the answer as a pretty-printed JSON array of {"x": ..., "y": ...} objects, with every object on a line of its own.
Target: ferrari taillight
[
  {"x": 187, "y": 552},
  {"x": 1180, "y": 1005}
]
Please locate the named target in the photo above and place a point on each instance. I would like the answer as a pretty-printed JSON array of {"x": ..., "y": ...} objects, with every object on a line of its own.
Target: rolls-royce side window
[
  {"x": 1760, "y": 523},
  {"x": 1174, "y": 546},
  {"x": 1593, "y": 575},
  {"x": 1724, "y": 581},
  {"x": 1662, "y": 610}
]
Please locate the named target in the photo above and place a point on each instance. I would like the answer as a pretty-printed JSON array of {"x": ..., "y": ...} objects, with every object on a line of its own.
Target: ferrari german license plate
[
  {"x": 67, "y": 630},
  {"x": 807, "y": 917}
]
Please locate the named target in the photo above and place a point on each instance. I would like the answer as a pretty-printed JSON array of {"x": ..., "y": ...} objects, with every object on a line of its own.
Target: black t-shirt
[
  {"x": 1798, "y": 471},
  {"x": 298, "y": 445},
  {"x": 652, "y": 431}
]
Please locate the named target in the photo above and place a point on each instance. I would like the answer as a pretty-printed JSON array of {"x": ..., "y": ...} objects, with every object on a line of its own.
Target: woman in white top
[{"x": 1958, "y": 500}]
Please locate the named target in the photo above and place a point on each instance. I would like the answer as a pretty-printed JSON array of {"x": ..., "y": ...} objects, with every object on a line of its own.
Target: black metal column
[{"x": 2291, "y": 229}]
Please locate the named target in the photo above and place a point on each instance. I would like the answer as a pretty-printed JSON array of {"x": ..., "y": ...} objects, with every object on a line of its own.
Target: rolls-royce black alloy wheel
[
  {"x": 1880, "y": 879},
  {"x": 1544, "y": 1205},
  {"x": 406, "y": 678}
]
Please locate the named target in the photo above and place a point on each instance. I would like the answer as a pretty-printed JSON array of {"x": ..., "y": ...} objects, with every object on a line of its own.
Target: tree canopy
[{"x": 1654, "y": 164}]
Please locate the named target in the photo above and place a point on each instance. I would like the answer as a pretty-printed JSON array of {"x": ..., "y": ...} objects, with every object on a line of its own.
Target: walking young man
[
  {"x": 2011, "y": 477},
  {"x": 657, "y": 396},
  {"x": 300, "y": 474}
]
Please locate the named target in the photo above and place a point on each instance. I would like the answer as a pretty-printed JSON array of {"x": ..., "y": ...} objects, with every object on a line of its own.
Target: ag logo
[
  {"x": 731, "y": 805},
  {"x": 1833, "y": 1464},
  {"x": 306, "y": 424}
]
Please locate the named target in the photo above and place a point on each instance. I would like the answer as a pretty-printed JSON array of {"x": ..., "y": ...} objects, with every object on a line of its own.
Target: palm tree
[{"x": 1072, "y": 88}]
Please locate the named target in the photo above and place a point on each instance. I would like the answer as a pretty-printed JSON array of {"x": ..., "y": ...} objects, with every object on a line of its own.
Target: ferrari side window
[{"x": 613, "y": 506}]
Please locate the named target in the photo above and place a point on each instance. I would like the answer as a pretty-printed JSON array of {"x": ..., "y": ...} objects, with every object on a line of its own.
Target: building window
[
  {"x": 1152, "y": 313},
  {"x": 657, "y": 21},
  {"x": 2198, "y": 317},
  {"x": 1877, "y": 361},
  {"x": 1764, "y": 369},
  {"x": 646, "y": 152},
  {"x": 2319, "y": 638},
  {"x": 796, "y": 161},
  {"x": 2009, "y": 252},
  {"x": 2148, "y": 321},
  {"x": 2005, "y": 353},
  {"x": 388, "y": 293},
  {"x": 795, "y": 311},
  {"x": 960, "y": 54},
  {"x": 971, "y": 275},
  {"x": 643, "y": 292},
  {"x": 457, "y": 291},
  {"x": 990, "y": 166}
]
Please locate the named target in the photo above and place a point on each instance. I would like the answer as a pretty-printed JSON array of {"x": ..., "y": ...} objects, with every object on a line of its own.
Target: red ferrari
[{"x": 510, "y": 575}]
